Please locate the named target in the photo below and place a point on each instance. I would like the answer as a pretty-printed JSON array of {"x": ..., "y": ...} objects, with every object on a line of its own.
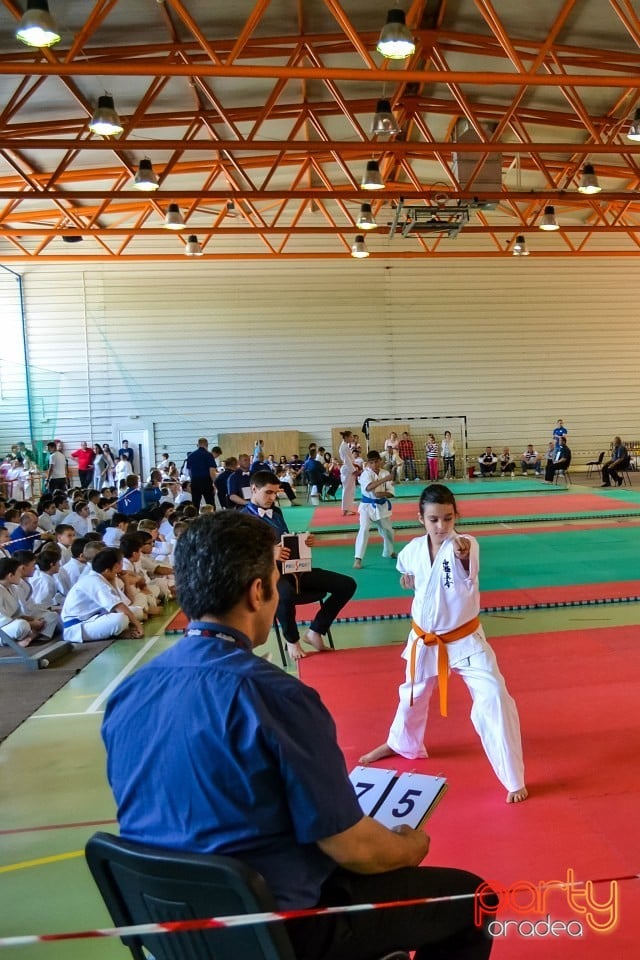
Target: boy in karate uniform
[
  {"x": 19, "y": 628},
  {"x": 375, "y": 507},
  {"x": 23, "y": 593},
  {"x": 95, "y": 609}
]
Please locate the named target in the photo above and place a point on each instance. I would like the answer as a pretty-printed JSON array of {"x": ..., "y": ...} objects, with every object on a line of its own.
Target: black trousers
[
  {"x": 336, "y": 589},
  {"x": 436, "y": 931},
  {"x": 609, "y": 472},
  {"x": 202, "y": 489},
  {"x": 85, "y": 477}
]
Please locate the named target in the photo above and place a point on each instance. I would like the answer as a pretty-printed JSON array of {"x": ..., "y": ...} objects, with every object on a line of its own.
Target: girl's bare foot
[
  {"x": 315, "y": 640},
  {"x": 384, "y": 750},
  {"x": 26, "y": 640},
  {"x": 295, "y": 651},
  {"x": 357, "y": 563},
  {"x": 517, "y": 796}
]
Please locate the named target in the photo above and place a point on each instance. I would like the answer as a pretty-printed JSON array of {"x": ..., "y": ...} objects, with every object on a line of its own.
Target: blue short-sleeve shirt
[{"x": 213, "y": 750}]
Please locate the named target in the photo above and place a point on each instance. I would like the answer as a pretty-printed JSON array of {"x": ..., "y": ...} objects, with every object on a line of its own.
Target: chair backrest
[
  {"x": 142, "y": 884},
  {"x": 601, "y": 457}
]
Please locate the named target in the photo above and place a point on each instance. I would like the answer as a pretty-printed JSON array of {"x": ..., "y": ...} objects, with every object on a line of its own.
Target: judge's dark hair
[
  {"x": 263, "y": 478},
  {"x": 218, "y": 557},
  {"x": 437, "y": 493}
]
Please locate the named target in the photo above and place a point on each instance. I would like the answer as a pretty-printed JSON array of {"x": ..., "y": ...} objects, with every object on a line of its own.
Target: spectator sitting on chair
[
  {"x": 561, "y": 461},
  {"x": 249, "y": 767},
  {"x": 337, "y": 589},
  {"x": 531, "y": 458},
  {"x": 507, "y": 463},
  {"x": 619, "y": 461},
  {"x": 313, "y": 472},
  {"x": 487, "y": 461}
]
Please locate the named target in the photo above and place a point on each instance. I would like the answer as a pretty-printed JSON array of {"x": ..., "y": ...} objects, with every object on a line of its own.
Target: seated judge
[
  {"x": 336, "y": 587},
  {"x": 210, "y": 749},
  {"x": 561, "y": 461},
  {"x": 619, "y": 460}
]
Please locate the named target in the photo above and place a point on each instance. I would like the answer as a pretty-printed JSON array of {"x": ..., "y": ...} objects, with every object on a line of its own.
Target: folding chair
[
  {"x": 141, "y": 884},
  {"x": 595, "y": 465}
]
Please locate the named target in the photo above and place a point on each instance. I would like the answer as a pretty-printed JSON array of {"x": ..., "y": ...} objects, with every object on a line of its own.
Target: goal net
[{"x": 413, "y": 436}]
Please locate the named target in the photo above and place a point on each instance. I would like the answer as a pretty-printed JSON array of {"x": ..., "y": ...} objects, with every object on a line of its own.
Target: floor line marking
[
  {"x": 60, "y": 716},
  {"x": 57, "y": 826},
  {"x": 41, "y": 861},
  {"x": 108, "y": 690}
]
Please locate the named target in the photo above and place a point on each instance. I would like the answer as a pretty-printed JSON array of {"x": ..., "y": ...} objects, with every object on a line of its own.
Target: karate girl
[
  {"x": 442, "y": 568},
  {"x": 375, "y": 507},
  {"x": 348, "y": 473}
]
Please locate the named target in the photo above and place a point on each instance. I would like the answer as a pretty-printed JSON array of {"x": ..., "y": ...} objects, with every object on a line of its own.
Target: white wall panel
[
  {"x": 14, "y": 412},
  {"x": 204, "y": 348}
]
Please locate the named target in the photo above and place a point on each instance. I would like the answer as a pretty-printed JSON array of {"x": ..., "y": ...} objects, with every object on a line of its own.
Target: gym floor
[{"x": 54, "y": 793}]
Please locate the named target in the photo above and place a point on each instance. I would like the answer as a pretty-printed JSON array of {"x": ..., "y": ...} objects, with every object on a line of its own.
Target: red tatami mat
[
  {"x": 577, "y": 696},
  {"x": 506, "y": 507}
]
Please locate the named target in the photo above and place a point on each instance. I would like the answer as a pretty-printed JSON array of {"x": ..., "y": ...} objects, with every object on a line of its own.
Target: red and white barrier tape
[{"x": 245, "y": 920}]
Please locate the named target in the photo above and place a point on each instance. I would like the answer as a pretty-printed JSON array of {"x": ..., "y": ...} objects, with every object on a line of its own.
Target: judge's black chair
[
  {"x": 595, "y": 465},
  {"x": 141, "y": 884}
]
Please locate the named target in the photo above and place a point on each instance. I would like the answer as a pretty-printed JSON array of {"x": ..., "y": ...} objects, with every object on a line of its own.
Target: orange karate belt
[{"x": 429, "y": 640}]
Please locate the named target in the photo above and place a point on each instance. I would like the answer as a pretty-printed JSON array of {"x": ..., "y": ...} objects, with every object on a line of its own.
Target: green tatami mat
[{"x": 517, "y": 561}]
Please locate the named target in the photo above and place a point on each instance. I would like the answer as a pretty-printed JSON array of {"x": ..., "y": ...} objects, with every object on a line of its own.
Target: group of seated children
[{"x": 101, "y": 584}]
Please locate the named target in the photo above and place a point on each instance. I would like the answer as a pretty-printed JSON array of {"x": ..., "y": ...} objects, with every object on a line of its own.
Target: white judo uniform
[
  {"x": 447, "y": 597},
  {"x": 348, "y": 472},
  {"x": 374, "y": 508},
  {"x": 23, "y": 592},
  {"x": 10, "y": 620},
  {"x": 88, "y": 612}
]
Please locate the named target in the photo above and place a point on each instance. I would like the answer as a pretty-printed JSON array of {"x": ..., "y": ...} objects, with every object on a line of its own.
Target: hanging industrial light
[
  {"x": 146, "y": 177},
  {"x": 633, "y": 133},
  {"x": 396, "y": 40},
  {"x": 589, "y": 182},
  {"x": 384, "y": 122},
  {"x": 173, "y": 218},
  {"x": 372, "y": 179},
  {"x": 548, "y": 221},
  {"x": 105, "y": 120},
  {"x": 366, "y": 220},
  {"x": 520, "y": 247},
  {"x": 37, "y": 28},
  {"x": 192, "y": 248},
  {"x": 359, "y": 248}
]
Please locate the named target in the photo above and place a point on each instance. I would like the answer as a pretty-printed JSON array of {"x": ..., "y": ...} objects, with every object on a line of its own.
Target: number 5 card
[{"x": 393, "y": 800}]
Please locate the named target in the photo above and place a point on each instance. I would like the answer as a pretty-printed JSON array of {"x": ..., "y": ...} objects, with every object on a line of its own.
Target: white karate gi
[
  {"x": 123, "y": 470},
  {"x": 81, "y": 525},
  {"x": 75, "y": 569},
  {"x": 348, "y": 472},
  {"x": 148, "y": 564},
  {"x": 446, "y": 597},
  {"x": 378, "y": 513},
  {"x": 10, "y": 620},
  {"x": 112, "y": 536},
  {"x": 140, "y": 599},
  {"x": 23, "y": 593},
  {"x": 44, "y": 589},
  {"x": 88, "y": 612}
]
